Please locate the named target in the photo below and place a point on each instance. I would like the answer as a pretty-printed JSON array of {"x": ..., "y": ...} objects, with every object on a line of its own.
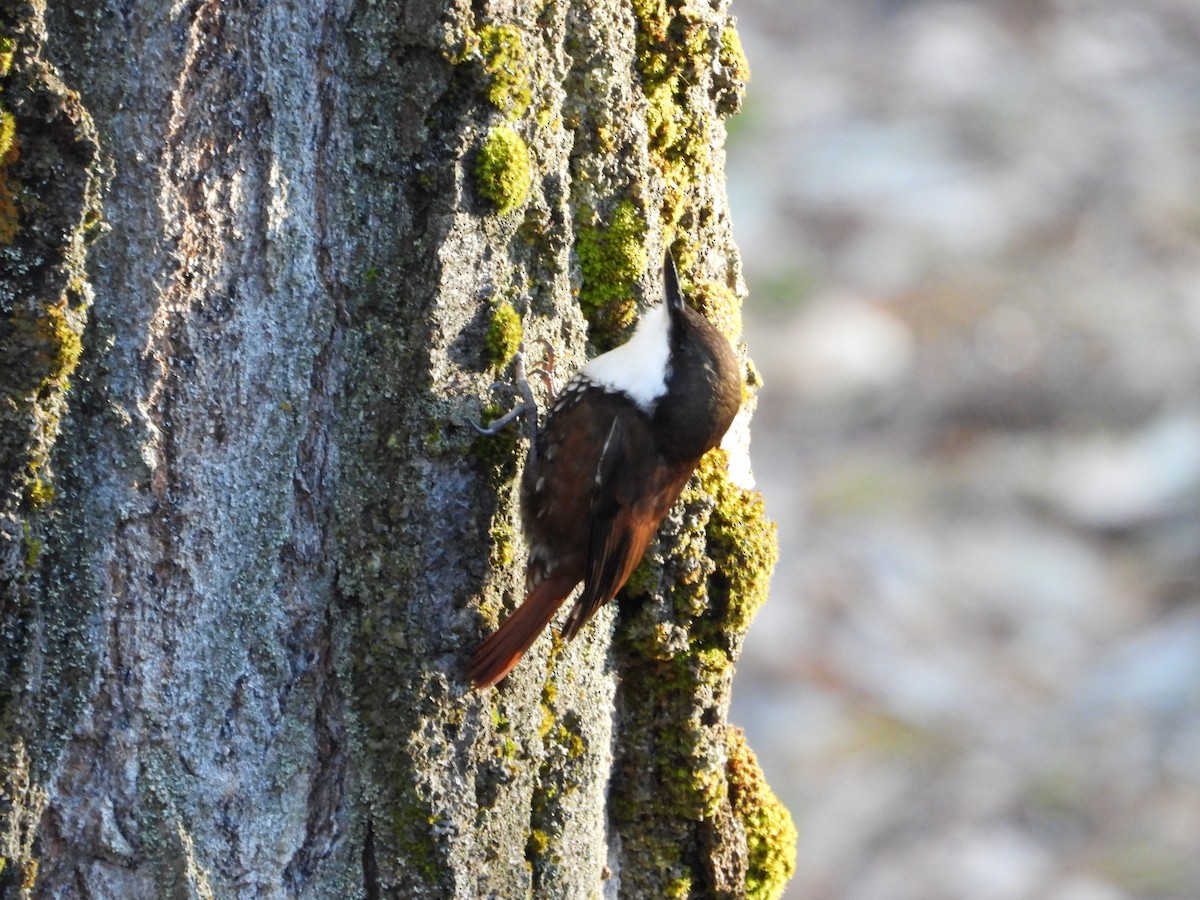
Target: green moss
[
  {"x": 8, "y": 49},
  {"x": 61, "y": 338},
  {"x": 501, "y": 51},
  {"x": 644, "y": 580},
  {"x": 538, "y": 843},
  {"x": 48, "y": 346},
  {"x": 692, "y": 784},
  {"x": 404, "y": 818},
  {"x": 563, "y": 746},
  {"x": 8, "y": 132},
  {"x": 719, "y": 304},
  {"x": 9, "y": 151},
  {"x": 679, "y": 782},
  {"x": 675, "y": 48},
  {"x": 499, "y": 720},
  {"x": 658, "y": 865},
  {"x": 743, "y": 545},
  {"x": 503, "y": 552},
  {"x": 40, "y": 493},
  {"x": 612, "y": 256},
  {"x": 732, "y": 56},
  {"x": 7, "y": 52},
  {"x": 503, "y": 171},
  {"x": 33, "y": 550},
  {"x": 735, "y": 69},
  {"x": 652, "y": 18},
  {"x": 678, "y": 888},
  {"x": 754, "y": 379},
  {"x": 567, "y": 739},
  {"x": 770, "y": 832},
  {"x": 680, "y": 674},
  {"x": 546, "y": 725},
  {"x": 505, "y": 61},
  {"x": 664, "y": 116},
  {"x": 497, "y": 451},
  {"x": 410, "y": 826},
  {"x": 721, "y": 565},
  {"x": 504, "y": 335},
  {"x": 434, "y": 440}
]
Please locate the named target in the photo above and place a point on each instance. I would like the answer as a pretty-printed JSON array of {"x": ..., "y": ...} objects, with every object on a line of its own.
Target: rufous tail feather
[{"x": 497, "y": 655}]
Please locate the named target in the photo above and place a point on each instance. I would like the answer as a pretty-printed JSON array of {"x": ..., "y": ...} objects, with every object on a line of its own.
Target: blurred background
[{"x": 971, "y": 232}]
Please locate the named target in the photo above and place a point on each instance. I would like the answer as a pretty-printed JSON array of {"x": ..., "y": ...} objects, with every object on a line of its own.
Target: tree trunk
[{"x": 247, "y": 536}]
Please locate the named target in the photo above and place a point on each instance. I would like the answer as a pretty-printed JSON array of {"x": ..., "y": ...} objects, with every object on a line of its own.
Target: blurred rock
[
  {"x": 839, "y": 347},
  {"x": 972, "y": 237},
  {"x": 1112, "y": 482}
]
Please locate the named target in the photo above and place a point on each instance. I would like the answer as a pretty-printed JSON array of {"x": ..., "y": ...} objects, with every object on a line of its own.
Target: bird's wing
[{"x": 628, "y": 505}]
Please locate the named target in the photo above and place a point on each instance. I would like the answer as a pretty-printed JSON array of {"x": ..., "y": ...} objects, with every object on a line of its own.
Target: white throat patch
[{"x": 638, "y": 367}]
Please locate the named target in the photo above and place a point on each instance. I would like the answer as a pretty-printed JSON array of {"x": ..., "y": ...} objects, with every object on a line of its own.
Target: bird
[{"x": 613, "y": 455}]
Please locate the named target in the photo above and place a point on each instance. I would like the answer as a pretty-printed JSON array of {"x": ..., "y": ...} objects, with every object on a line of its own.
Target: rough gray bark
[{"x": 240, "y": 581}]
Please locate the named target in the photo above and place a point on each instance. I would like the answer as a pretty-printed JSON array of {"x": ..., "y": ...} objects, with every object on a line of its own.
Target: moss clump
[
  {"x": 742, "y": 543},
  {"x": 645, "y": 579},
  {"x": 563, "y": 741},
  {"x": 8, "y": 133},
  {"x": 689, "y": 772},
  {"x": 507, "y": 66},
  {"x": 732, "y": 56},
  {"x": 8, "y": 49},
  {"x": 49, "y": 346},
  {"x": 61, "y": 342},
  {"x": 735, "y": 70},
  {"x": 503, "y": 553},
  {"x": 720, "y": 567},
  {"x": 41, "y": 492},
  {"x": 612, "y": 257},
  {"x": 653, "y": 18},
  {"x": 501, "y": 530},
  {"x": 33, "y": 548},
  {"x": 719, "y": 559},
  {"x": 504, "y": 335},
  {"x": 538, "y": 843},
  {"x": 719, "y": 304},
  {"x": 754, "y": 379},
  {"x": 9, "y": 151},
  {"x": 665, "y": 122},
  {"x": 29, "y": 873},
  {"x": 677, "y": 49},
  {"x": 497, "y": 451},
  {"x": 674, "y": 47},
  {"x": 410, "y": 826},
  {"x": 678, "y": 888},
  {"x": 503, "y": 171},
  {"x": 770, "y": 832},
  {"x": 568, "y": 741}
]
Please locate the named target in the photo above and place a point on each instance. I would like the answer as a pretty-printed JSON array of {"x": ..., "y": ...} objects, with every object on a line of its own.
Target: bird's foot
[
  {"x": 527, "y": 406},
  {"x": 545, "y": 369}
]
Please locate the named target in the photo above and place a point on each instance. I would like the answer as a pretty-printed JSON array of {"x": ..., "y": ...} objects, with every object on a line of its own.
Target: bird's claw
[
  {"x": 496, "y": 425},
  {"x": 545, "y": 369},
  {"x": 527, "y": 405}
]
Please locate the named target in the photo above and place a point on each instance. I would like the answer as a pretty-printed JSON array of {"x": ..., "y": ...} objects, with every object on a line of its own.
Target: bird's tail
[{"x": 497, "y": 655}]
